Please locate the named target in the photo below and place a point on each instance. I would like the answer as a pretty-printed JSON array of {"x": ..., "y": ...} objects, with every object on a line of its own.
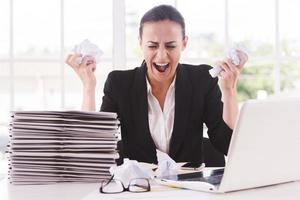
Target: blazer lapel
[
  {"x": 183, "y": 96},
  {"x": 139, "y": 105}
]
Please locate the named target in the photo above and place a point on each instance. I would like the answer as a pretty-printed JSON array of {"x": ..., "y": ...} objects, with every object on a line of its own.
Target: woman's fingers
[
  {"x": 93, "y": 67},
  {"x": 72, "y": 60},
  {"x": 224, "y": 66},
  {"x": 243, "y": 57},
  {"x": 229, "y": 74},
  {"x": 87, "y": 60},
  {"x": 68, "y": 58},
  {"x": 233, "y": 68},
  {"x": 222, "y": 74}
]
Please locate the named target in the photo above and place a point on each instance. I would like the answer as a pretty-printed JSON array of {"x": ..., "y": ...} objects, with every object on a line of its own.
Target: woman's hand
[
  {"x": 230, "y": 74},
  {"x": 85, "y": 70}
]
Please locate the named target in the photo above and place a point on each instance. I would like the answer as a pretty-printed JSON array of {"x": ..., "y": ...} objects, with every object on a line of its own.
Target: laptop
[{"x": 264, "y": 150}]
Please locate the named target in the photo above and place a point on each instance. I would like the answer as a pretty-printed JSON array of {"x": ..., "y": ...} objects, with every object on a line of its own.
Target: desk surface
[{"x": 89, "y": 191}]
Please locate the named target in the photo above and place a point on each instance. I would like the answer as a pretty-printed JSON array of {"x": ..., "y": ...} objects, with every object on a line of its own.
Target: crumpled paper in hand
[
  {"x": 233, "y": 56},
  {"x": 86, "y": 48},
  {"x": 130, "y": 169}
]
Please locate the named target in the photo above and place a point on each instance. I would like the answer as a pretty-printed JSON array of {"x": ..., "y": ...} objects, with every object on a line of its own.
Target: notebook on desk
[{"x": 264, "y": 150}]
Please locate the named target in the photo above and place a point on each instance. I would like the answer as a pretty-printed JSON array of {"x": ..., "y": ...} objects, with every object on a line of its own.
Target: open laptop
[{"x": 264, "y": 150}]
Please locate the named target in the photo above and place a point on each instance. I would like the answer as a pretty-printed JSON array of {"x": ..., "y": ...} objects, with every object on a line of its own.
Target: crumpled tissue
[
  {"x": 231, "y": 54},
  {"x": 130, "y": 169},
  {"x": 86, "y": 48},
  {"x": 166, "y": 165}
]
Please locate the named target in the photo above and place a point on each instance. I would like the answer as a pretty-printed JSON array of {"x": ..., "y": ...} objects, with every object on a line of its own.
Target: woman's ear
[{"x": 184, "y": 42}]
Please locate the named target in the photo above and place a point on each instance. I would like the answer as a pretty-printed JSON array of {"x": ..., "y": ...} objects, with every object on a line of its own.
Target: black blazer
[{"x": 197, "y": 101}]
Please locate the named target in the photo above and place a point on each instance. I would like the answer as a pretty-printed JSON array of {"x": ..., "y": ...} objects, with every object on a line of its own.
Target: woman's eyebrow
[
  {"x": 157, "y": 43},
  {"x": 171, "y": 42}
]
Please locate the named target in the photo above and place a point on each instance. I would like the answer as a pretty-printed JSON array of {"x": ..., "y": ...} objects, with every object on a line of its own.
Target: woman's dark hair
[{"x": 160, "y": 13}]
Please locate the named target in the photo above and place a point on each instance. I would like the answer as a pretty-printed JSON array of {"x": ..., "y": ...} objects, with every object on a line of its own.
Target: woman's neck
[
  {"x": 159, "y": 86},
  {"x": 160, "y": 89}
]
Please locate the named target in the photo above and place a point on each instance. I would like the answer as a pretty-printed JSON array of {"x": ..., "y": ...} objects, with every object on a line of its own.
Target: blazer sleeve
[
  {"x": 218, "y": 131},
  {"x": 109, "y": 103}
]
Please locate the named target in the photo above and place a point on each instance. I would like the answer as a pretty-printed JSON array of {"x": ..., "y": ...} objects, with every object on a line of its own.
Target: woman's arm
[
  {"x": 88, "y": 101},
  {"x": 229, "y": 78},
  {"x": 230, "y": 108},
  {"x": 85, "y": 70}
]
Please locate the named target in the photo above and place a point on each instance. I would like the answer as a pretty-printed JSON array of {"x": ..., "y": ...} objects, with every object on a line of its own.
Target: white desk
[{"x": 89, "y": 191}]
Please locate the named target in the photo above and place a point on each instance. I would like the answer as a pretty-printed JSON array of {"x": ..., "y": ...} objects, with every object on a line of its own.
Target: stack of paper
[{"x": 53, "y": 146}]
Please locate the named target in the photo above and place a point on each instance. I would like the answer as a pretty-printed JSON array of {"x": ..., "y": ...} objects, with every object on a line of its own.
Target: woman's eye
[
  {"x": 171, "y": 47},
  {"x": 152, "y": 47}
]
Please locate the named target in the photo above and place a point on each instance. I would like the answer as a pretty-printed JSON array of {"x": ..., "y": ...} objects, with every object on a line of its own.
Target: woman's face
[{"x": 162, "y": 43}]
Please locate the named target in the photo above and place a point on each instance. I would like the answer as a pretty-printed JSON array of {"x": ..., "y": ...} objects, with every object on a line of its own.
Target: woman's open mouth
[{"x": 161, "y": 67}]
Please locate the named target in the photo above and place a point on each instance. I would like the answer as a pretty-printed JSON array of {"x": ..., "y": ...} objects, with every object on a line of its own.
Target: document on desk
[{"x": 56, "y": 146}]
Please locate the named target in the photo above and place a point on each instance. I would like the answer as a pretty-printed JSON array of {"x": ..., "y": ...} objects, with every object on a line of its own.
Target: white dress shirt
[{"x": 161, "y": 121}]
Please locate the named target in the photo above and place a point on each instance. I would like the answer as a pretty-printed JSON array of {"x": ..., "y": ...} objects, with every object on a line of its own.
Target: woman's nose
[{"x": 162, "y": 53}]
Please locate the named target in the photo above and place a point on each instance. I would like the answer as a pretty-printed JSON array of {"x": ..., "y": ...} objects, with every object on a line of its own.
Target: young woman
[{"x": 163, "y": 104}]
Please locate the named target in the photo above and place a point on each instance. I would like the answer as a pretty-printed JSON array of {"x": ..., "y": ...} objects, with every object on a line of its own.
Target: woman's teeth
[{"x": 161, "y": 67}]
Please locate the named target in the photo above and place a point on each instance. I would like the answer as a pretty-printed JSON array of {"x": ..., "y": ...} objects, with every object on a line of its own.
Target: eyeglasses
[{"x": 113, "y": 186}]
